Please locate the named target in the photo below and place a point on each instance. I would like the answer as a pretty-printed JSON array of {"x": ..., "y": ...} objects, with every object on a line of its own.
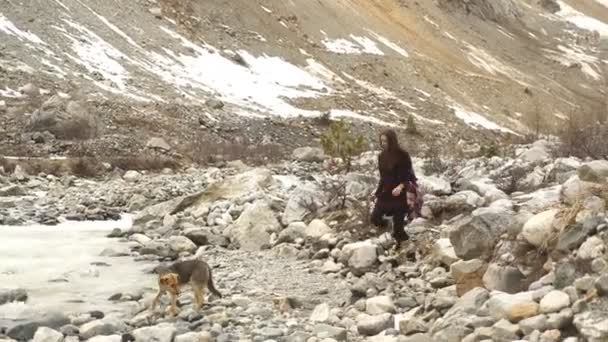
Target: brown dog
[{"x": 172, "y": 278}]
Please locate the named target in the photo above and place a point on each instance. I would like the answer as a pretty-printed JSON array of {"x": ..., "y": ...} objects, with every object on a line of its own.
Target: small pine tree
[
  {"x": 411, "y": 125},
  {"x": 339, "y": 142}
]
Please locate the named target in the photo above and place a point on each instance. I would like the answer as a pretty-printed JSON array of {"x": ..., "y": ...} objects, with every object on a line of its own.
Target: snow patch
[
  {"x": 483, "y": 60},
  {"x": 389, "y": 44},
  {"x": 340, "y": 113},
  {"x": 9, "y": 28},
  {"x": 476, "y": 120},
  {"x": 96, "y": 55},
  {"x": 62, "y": 5},
  {"x": 266, "y": 9},
  {"x": 575, "y": 54},
  {"x": 319, "y": 69},
  {"x": 260, "y": 86},
  {"x": 428, "y": 20},
  {"x": 358, "y": 45},
  {"x": 8, "y": 92},
  {"x": 581, "y": 20}
]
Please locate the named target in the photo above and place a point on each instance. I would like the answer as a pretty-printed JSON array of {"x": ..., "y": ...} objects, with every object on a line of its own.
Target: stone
[
  {"x": 513, "y": 307},
  {"x": 180, "y": 244},
  {"x": 158, "y": 144},
  {"x": 504, "y": 330},
  {"x": 443, "y": 251},
  {"x": 530, "y": 324},
  {"x": 44, "y": 334},
  {"x": 156, "y": 12},
  {"x": 331, "y": 267},
  {"x": 202, "y": 336},
  {"x": 592, "y": 325},
  {"x": 372, "y": 325},
  {"x": 163, "y": 332},
  {"x": 592, "y": 248},
  {"x": 474, "y": 237},
  {"x": 132, "y": 176},
  {"x": 551, "y": 336},
  {"x": 362, "y": 257},
  {"x": 575, "y": 189},
  {"x": 434, "y": 185},
  {"x": 214, "y": 103},
  {"x": 601, "y": 285},
  {"x": 537, "y": 153},
  {"x": 379, "y": 305},
  {"x": 595, "y": 171},
  {"x": 560, "y": 320},
  {"x": 540, "y": 227},
  {"x": 253, "y": 228},
  {"x": 584, "y": 284},
  {"x": 574, "y": 235},
  {"x": 100, "y": 327},
  {"x": 316, "y": 229},
  {"x": 413, "y": 326},
  {"x": 301, "y": 199},
  {"x": 320, "y": 313},
  {"x": 294, "y": 231},
  {"x": 507, "y": 279},
  {"x": 554, "y": 301},
  {"x": 468, "y": 275},
  {"x": 308, "y": 154},
  {"x": 599, "y": 265},
  {"x": 328, "y": 331},
  {"x": 110, "y": 338}
]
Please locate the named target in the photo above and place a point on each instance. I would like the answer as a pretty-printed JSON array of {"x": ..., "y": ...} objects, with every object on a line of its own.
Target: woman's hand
[{"x": 397, "y": 190}]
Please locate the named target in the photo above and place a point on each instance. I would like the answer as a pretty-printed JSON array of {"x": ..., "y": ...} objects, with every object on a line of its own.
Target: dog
[{"x": 172, "y": 278}]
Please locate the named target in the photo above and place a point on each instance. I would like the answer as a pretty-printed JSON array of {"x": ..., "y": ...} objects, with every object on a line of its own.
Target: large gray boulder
[
  {"x": 65, "y": 120},
  {"x": 253, "y": 228}
]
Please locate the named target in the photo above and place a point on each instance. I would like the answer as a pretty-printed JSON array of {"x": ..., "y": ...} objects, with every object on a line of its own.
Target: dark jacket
[{"x": 401, "y": 173}]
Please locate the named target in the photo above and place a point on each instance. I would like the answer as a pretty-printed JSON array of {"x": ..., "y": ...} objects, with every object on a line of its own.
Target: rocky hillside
[
  {"x": 117, "y": 73},
  {"x": 508, "y": 249}
]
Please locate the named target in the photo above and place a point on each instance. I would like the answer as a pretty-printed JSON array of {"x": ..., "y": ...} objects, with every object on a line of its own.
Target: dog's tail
[{"x": 211, "y": 286}]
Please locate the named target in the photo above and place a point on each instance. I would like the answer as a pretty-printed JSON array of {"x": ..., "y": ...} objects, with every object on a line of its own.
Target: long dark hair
[{"x": 394, "y": 153}]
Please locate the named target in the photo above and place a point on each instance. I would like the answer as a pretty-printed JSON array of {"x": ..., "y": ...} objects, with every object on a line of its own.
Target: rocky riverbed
[{"x": 508, "y": 249}]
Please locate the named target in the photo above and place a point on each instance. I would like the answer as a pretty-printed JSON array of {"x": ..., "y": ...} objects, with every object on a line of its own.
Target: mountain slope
[{"x": 454, "y": 65}]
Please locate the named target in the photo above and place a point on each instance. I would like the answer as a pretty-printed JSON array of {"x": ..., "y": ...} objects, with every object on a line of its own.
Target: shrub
[
  {"x": 340, "y": 143},
  {"x": 583, "y": 139},
  {"x": 411, "y": 125}
]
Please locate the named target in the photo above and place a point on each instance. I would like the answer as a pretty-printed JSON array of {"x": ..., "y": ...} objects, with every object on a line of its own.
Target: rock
[
  {"x": 537, "y": 153},
  {"x": 554, "y": 301},
  {"x": 592, "y": 248},
  {"x": 550, "y": 5},
  {"x": 29, "y": 90},
  {"x": 574, "y": 235},
  {"x": 331, "y": 267},
  {"x": 24, "y": 331},
  {"x": 293, "y": 232},
  {"x": 575, "y": 189},
  {"x": 44, "y": 334},
  {"x": 504, "y": 330},
  {"x": 12, "y": 190},
  {"x": 595, "y": 171},
  {"x": 328, "y": 331},
  {"x": 443, "y": 251},
  {"x": 320, "y": 313},
  {"x": 214, "y": 104},
  {"x": 457, "y": 321},
  {"x": 100, "y": 327},
  {"x": 12, "y": 295},
  {"x": 180, "y": 244},
  {"x": 253, "y": 228},
  {"x": 417, "y": 338},
  {"x": 379, "y": 305},
  {"x": 413, "y": 326},
  {"x": 308, "y": 154},
  {"x": 156, "y": 12},
  {"x": 468, "y": 275},
  {"x": 601, "y": 285},
  {"x": 540, "y": 227},
  {"x": 361, "y": 257},
  {"x": 163, "y": 332},
  {"x": 474, "y": 237},
  {"x": 434, "y": 185},
  {"x": 111, "y": 338},
  {"x": 372, "y": 325},
  {"x": 530, "y": 324},
  {"x": 301, "y": 199},
  {"x": 513, "y": 307},
  {"x": 507, "y": 279},
  {"x": 137, "y": 202},
  {"x": 132, "y": 176},
  {"x": 592, "y": 325},
  {"x": 560, "y": 320},
  {"x": 202, "y": 336},
  {"x": 316, "y": 229},
  {"x": 158, "y": 144},
  {"x": 3, "y": 106}
]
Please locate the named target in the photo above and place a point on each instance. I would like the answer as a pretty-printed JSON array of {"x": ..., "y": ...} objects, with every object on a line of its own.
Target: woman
[{"x": 396, "y": 178}]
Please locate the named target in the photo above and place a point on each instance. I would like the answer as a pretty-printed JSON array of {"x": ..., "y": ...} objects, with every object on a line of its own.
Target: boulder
[
  {"x": 434, "y": 185},
  {"x": 554, "y": 301},
  {"x": 595, "y": 171},
  {"x": 65, "y": 120},
  {"x": 316, "y": 229},
  {"x": 575, "y": 189},
  {"x": 253, "y": 228},
  {"x": 158, "y": 144},
  {"x": 44, "y": 334},
  {"x": 475, "y": 236},
  {"x": 507, "y": 279},
  {"x": 443, "y": 251},
  {"x": 540, "y": 227},
  {"x": 379, "y": 305},
  {"x": 321, "y": 313},
  {"x": 372, "y": 325},
  {"x": 513, "y": 307},
  {"x": 12, "y": 190},
  {"x": 592, "y": 325},
  {"x": 308, "y": 154},
  {"x": 300, "y": 201},
  {"x": 537, "y": 153},
  {"x": 360, "y": 256},
  {"x": 468, "y": 274},
  {"x": 181, "y": 244},
  {"x": 164, "y": 332}
]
